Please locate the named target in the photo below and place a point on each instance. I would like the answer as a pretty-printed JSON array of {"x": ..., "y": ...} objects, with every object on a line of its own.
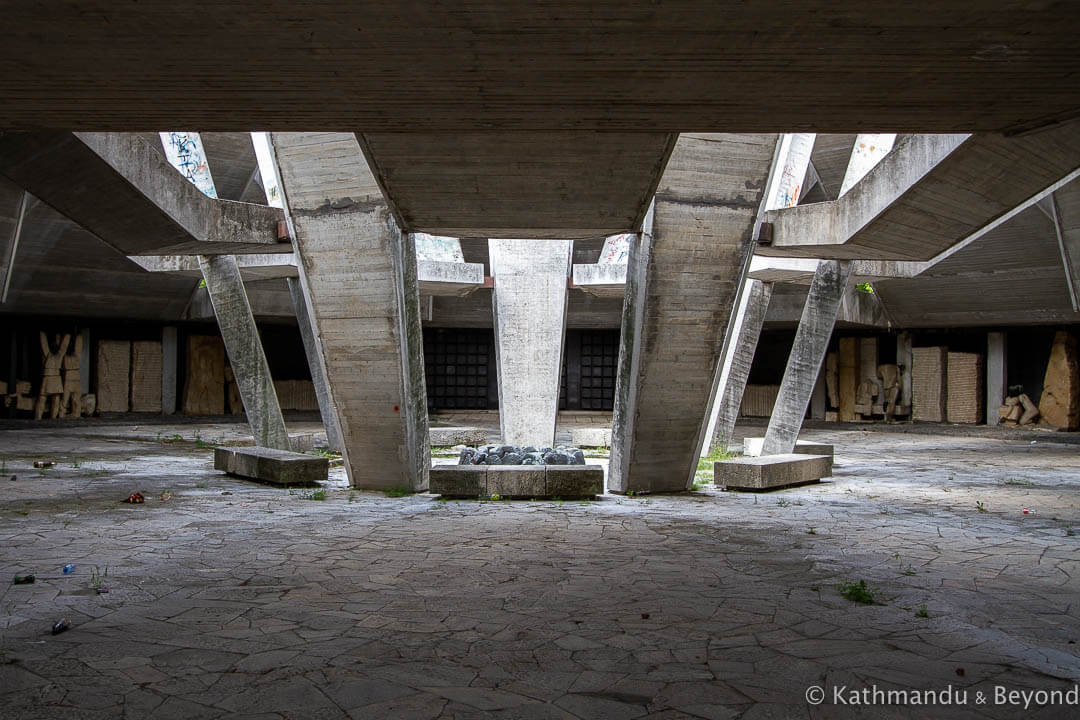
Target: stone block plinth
[
  {"x": 752, "y": 447},
  {"x": 771, "y": 472},
  {"x": 517, "y": 481},
  {"x": 275, "y": 467}
]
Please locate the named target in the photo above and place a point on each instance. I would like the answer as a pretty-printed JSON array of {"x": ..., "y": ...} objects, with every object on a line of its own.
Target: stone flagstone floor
[{"x": 229, "y": 599}]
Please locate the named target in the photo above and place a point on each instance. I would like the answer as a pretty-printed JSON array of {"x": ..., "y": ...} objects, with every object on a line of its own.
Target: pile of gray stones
[{"x": 521, "y": 455}]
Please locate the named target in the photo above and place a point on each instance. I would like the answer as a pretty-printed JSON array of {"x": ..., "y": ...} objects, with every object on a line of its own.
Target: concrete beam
[
  {"x": 737, "y": 361},
  {"x": 449, "y": 279},
  {"x": 244, "y": 347},
  {"x": 529, "y": 303},
  {"x": 997, "y": 375},
  {"x": 252, "y": 267},
  {"x": 927, "y": 195},
  {"x": 1064, "y": 211},
  {"x": 807, "y": 356},
  {"x": 124, "y": 191},
  {"x": 601, "y": 279},
  {"x": 361, "y": 275},
  {"x": 13, "y": 202},
  {"x": 684, "y": 277}
]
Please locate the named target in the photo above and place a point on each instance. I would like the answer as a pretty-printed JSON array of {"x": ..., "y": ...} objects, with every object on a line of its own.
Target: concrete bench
[
  {"x": 771, "y": 472},
  {"x": 517, "y": 481},
  {"x": 752, "y": 447},
  {"x": 276, "y": 467}
]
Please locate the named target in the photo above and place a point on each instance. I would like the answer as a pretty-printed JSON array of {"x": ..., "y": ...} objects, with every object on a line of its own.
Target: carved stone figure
[{"x": 52, "y": 388}]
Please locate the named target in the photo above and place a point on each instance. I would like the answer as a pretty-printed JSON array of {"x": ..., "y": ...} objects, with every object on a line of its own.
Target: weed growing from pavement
[
  {"x": 980, "y": 506},
  {"x": 921, "y": 612},
  {"x": 397, "y": 491},
  {"x": 858, "y": 592}
]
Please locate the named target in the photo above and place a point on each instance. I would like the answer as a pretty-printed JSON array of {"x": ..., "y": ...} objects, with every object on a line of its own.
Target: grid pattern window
[
  {"x": 599, "y": 361},
  {"x": 457, "y": 365}
]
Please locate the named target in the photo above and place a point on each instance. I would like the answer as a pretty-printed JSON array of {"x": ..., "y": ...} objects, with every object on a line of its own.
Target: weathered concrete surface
[
  {"x": 752, "y": 447},
  {"x": 807, "y": 355},
  {"x": 170, "y": 355},
  {"x": 601, "y": 279},
  {"x": 274, "y": 467},
  {"x": 529, "y": 310},
  {"x": 262, "y": 602},
  {"x": 518, "y": 481},
  {"x": 737, "y": 361},
  {"x": 361, "y": 274},
  {"x": 927, "y": 195},
  {"x": 440, "y": 278},
  {"x": 13, "y": 201},
  {"x": 771, "y": 472},
  {"x": 316, "y": 363},
  {"x": 997, "y": 375},
  {"x": 245, "y": 351},
  {"x": 496, "y": 184},
  {"x": 684, "y": 278},
  {"x": 124, "y": 191},
  {"x": 252, "y": 267}
]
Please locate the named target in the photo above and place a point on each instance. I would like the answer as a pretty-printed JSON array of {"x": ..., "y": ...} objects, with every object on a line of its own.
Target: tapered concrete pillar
[
  {"x": 244, "y": 347},
  {"x": 685, "y": 274},
  {"x": 365, "y": 305},
  {"x": 738, "y": 359},
  {"x": 807, "y": 355},
  {"x": 997, "y": 375},
  {"x": 316, "y": 364},
  {"x": 529, "y": 309}
]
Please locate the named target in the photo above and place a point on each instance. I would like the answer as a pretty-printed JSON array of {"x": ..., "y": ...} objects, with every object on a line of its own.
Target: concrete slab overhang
[
  {"x": 451, "y": 279},
  {"x": 126, "y": 193},
  {"x": 606, "y": 280},
  {"x": 688, "y": 65},
  {"x": 554, "y": 185},
  {"x": 252, "y": 267},
  {"x": 929, "y": 194}
]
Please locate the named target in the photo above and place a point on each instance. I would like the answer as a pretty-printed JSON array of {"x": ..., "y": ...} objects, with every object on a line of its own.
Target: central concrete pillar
[
  {"x": 365, "y": 304},
  {"x": 739, "y": 358},
  {"x": 684, "y": 277},
  {"x": 246, "y": 356},
  {"x": 997, "y": 375},
  {"x": 529, "y": 304},
  {"x": 807, "y": 354}
]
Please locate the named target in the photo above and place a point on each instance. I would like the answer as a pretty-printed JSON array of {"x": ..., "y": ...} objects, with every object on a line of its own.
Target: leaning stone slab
[
  {"x": 752, "y": 447},
  {"x": 771, "y": 472},
  {"x": 517, "y": 481},
  {"x": 276, "y": 467}
]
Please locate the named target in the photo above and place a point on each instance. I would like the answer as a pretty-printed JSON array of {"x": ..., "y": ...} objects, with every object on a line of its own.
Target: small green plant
[
  {"x": 202, "y": 485},
  {"x": 782, "y": 502},
  {"x": 74, "y": 463},
  {"x": 202, "y": 283},
  {"x": 324, "y": 452},
  {"x": 908, "y": 569},
  {"x": 921, "y": 612},
  {"x": 811, "y": 531},
  {"x": 980, "y": 506},
  {"x": 629, "y": 493},
  {"x": 319, "y": 494},
  {"x": 397, "y": 491},
  {"x": 495, "y": 497},
  {"x": 865, "y": 287},
  {"x": 858, "y": 592},
  {"x": 1069, "y": 532},
  {"x": 97, "y": 577},
  {"x": 352, "y": 496},
  {"x": 700, "y": 483}
]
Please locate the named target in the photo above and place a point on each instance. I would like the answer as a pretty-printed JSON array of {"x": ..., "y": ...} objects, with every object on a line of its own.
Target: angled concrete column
[
  {"x": 244, "y": 347},
  {"x": 738, "y": 359},
  {"x": 807, "y": 355},
  {"x": 316, "y": 363},
  {"x": 365, "y": 306},
  {"x": 997, "y": 375},
  {"x": 529, "y": 306},
  {"x": 685, "y": 274}
]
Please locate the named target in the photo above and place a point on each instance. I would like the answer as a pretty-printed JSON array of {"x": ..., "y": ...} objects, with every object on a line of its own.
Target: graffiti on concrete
[
  {"x": 616, "y": 249},
  {"x": 869, "y": 149},
  {"x": 438, "y": 247},
  {"x": 185, "y": 151}
]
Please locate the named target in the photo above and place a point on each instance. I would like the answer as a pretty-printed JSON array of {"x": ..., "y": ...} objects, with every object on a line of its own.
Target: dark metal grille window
[
  {"x": 459, "y": 367},
  {"x": 599, "y": 360}
]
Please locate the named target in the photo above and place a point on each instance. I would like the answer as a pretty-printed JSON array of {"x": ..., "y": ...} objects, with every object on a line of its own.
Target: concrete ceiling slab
[
  {"x": 685, "y": 65},
  {"x": 518, "y": 184}
]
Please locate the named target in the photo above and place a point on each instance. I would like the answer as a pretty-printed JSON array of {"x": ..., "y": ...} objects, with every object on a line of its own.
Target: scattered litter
[
  {"x": 1028, "y": 512},
  {"x": 135, "y": 498},
  {"x": 69, "y": 568},
  {"x": 1033, "y": 442},
  {"x": 24, "y": 579},
  {"x": 102, "y": 591},
  {"x": 166, "y": 496},
  {"x": 44, "y": 464},
  {"x": 226, "y": 493},
  {"x": 60, "y": 626}
]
